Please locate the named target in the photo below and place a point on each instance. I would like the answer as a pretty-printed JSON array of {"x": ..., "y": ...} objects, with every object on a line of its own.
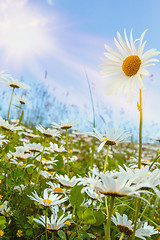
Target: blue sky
[{"x": 67, "y": 37}]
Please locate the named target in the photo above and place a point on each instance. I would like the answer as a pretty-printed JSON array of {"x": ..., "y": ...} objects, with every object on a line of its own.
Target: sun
[
  {"x": 21, "y": 35},
  {"x": 24, "y": 33}
]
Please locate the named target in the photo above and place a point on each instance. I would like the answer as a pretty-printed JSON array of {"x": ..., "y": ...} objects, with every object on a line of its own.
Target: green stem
[
  {"x": 106, "y": 205},
  {"x": 93, "y": 149},
  {"x": 108, "y": 224},
  {"x": 137, "y": 209},
  {"x": 52, "y": 235},
  {"x": 146, "y": 206},
  {"x": 46, "y": 224},
  {"x": 20, "y": 107},
  {"x": 122, "y": 236},
  {"x": 140, "y": 129},
  {"x": 40, "y": 164},
  {"x": 10, "y": 103},
  {"x": 154, "y": 207},
  {"x": 106, "y": 159},
  {"x": 137, "y": 201},
  {"x": 67, "y": 167},
  {"x": 105, "y": 167}
]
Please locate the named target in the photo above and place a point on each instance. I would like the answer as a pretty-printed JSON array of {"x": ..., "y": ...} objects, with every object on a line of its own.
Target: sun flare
[{"x": 24, "y": 33}]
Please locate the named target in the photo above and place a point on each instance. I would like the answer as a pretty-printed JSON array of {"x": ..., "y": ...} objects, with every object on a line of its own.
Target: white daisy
[
  {"x": 127, "y": 65},
  {"x": 118, "y": 185},
  {"x": 123, "y": 223},
  {"x": 55, "y": 223},
  {"x": 111, "y": 137},
  {"x": 7, "y": 126},
  {"x": 48, "y": 132},
  {"x": 33, "y": 147},
  {"x": 23, "y": 100},
  {"x": 56, "y": 188},
  {"x": 145, "y": 231},
  {"x": 54, "y": 148},
  {"x": 143, "y": 177},
  {"x": 64, "y": 124},
  {"x": 14, "y": 83},
  {"x": 48, "y": 199},
  {"x": 46, "y": 174},
  {"x": 66, "y": 181}
]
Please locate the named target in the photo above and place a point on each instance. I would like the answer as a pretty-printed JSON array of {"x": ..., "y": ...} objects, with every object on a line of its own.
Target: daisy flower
[
  {"x": 54, "y": 148},
  {"x": 126, "y": 226},
  {"x": 143, "y": 177},
  {"x": 111, "y": 137},
  {"x": 66, "y": 181},
  {"x": 33, "y": 147},
  {"x": 48, "y": 199},
  {"x": 7, "y": 126},
  {"x": 118, "y": 185},
  {"x": 46, "y": 174},
  {"x": 55, "y": 223},
  {"x": 64, "y": 124},
  {"x": 145, "y": 231},
  {"x": 22, "y": 100},
  {"x": 14, "y": 83},
  {"x": 56, "y": 188},
  {"x": 48, "y": 132},
  {"x": 123, "y": 223},
  {"x": 127, "y": 65}
]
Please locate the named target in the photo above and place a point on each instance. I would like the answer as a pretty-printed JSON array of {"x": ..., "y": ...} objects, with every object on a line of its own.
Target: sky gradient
[{"x": 66, "y": 38}]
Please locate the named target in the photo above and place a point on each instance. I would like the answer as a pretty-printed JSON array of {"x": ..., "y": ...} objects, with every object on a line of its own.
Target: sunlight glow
[
  {"x": 21, "y": 36},
  {"x": 24, "y": 33}
]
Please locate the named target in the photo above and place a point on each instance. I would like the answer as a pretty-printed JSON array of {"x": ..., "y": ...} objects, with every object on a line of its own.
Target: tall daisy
[{"x": 127, "y": 65}]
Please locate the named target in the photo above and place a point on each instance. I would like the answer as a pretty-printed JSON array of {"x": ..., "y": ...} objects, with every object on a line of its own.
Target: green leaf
[
  {"x": 100, "y": 218},
  {"x": 91, "y": 235},
  {"x": 2, "y": 220},
  {"x": 90, "y": 219},
  {"x": 87, "y": 213},
  {"x": 88, "y": 216},
  {"x": 86, "y": 227},
  {"x": 80, "y": 212},
  {"x": 62, "y": 235},
  {"x": 76, "y": 197},
  {"x": 60, "y": 163},
  {"x": 29, "y": 232},
  {"x": 72, "y": 236},
  {"x": 30, "y": 170},
  {"x": 21, "y": 117}
]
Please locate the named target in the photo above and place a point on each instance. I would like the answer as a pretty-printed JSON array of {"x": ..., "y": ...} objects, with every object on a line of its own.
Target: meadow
[{"x": 59, "y": 183}]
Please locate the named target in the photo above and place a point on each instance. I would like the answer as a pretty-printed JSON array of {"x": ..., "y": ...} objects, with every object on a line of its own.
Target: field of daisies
[{"x": 58, "y": 183}]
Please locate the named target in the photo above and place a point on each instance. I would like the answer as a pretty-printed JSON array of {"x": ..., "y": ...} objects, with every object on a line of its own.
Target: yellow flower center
[
  {"x": 67, "y": 223},
  {"x": 131, "y": 65},
  {"x": 47, "y": 200},
  {"x": 58, "y": 190},
  {"x": 1, "y": 233}
]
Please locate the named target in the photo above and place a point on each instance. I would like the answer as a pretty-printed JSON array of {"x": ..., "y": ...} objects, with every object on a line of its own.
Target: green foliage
[
  {"x": 76, "y": 197},
  {"x": 2, "y": 222},
  {"x": 59, "y": 164},
  {"x": 62, "y": 235}
]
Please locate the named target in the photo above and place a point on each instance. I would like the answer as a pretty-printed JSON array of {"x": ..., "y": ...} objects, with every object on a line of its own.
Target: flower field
[
  {"x": 63, "y": 179},
  {"x": 59, "y": 183}
]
